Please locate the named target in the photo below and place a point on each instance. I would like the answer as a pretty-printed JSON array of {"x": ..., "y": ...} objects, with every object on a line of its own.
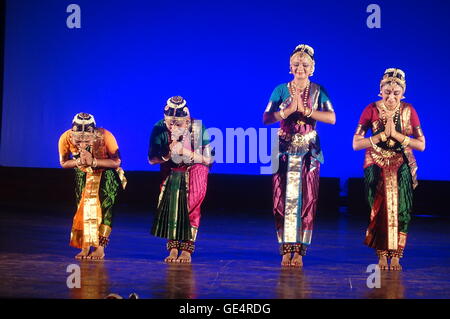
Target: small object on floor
[{"x": 133, "y": 295}]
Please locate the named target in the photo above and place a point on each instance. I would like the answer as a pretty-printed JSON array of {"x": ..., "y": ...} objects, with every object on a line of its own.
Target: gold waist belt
[
  {"x": 299, "y": 142},
  {"x": 385, "y": 158}
]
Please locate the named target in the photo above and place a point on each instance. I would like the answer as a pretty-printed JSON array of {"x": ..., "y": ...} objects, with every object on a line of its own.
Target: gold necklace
[
  {"x": 384, "y": 110},
  {"x": 396, "y": 117}
]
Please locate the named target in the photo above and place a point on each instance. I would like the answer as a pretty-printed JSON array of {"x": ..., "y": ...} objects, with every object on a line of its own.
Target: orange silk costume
[{"x": 93, "y": 217}]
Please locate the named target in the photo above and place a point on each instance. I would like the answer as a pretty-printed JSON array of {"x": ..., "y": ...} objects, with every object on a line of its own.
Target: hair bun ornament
[
  {"x": 394, "y": 75},
  {"x": 83, "y": 122},
  {"x": 304, "y": 48},
  {"x": 176, "y": 108},
  {"x": 176, "y": 102}
]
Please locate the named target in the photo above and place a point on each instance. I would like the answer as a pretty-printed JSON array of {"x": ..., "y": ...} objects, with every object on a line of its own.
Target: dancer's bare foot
[
  {"x": 382, "y": 263},
  {"x": 395, "y": 264},
  {"x": 98, "y": 253},
  {"x": 185, "y": 257},
  {"x": 286, "y": 260},
  {"x": 172, "y": 256},
  {"x": 297, "y": 260},
  {"x": 83, "y": 253}
]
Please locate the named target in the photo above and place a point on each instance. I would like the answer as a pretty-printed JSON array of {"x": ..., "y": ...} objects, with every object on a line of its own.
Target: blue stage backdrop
[{"x": 225, "y": 58}]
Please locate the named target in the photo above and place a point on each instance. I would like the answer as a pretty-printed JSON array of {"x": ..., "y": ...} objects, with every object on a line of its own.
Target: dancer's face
[
  {"x": 391, "y": 93},
  {"x": 301, "y": 67},
  {"x": 174, "y": 125}
]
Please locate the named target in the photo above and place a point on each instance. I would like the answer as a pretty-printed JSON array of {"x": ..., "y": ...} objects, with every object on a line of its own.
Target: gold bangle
[
  {"x": 371, "y": 142},
  {"x": 165, "y": 159},
  {"x": 406, "y": 141},
  {"x": 94, "y": 163},
  {"x": 383, "y": 137},
  {"x": 282, "y": 114}
]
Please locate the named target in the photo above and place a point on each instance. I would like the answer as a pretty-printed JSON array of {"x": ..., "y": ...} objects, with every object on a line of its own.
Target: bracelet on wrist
[{"x": 406, "y": 141}]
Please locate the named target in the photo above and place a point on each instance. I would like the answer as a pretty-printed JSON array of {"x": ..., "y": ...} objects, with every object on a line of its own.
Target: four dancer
[{"x": 181, "y": 146}]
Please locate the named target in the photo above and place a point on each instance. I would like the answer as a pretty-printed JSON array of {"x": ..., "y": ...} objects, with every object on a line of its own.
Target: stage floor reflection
[{"x": 236, "y": 257}]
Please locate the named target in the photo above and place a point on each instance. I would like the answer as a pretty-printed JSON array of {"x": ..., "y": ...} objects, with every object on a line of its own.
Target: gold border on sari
[
  {"x": 76, "y": 238},
  {"x": 412, "y": 166},
  {"x": 85, "y": 230},
  {"x": 122, "y": 178},
  {"x": 402, "y": 239},
  {"x": 408, "y": 130},
  {"x": 306, "y": 237},
  {"x": 163, "y": 189},
  {"x": 406, "y": 121},
  {"x": 174, "y": 214},
  {"x": 292, "y": 213},
  {"x": 391, "y": 189},
  {"x": 194, "y": 231},
  {"x": 313, "y": 99},
  {"x": 280, "y": 235}
]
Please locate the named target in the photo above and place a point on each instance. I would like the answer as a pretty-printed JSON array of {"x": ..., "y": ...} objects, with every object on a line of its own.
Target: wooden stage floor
[{"x": 236, "y": 257}]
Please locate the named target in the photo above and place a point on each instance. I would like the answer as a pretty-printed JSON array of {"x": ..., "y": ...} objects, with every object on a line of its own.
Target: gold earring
[{"x": 379, "y": 94}]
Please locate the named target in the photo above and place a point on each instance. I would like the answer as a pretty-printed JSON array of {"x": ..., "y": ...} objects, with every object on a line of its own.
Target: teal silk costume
[
  {"x": 184, "y": 180},
  {"x": 296, "y": 183},
  {"x": 174, "y": 214}
]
